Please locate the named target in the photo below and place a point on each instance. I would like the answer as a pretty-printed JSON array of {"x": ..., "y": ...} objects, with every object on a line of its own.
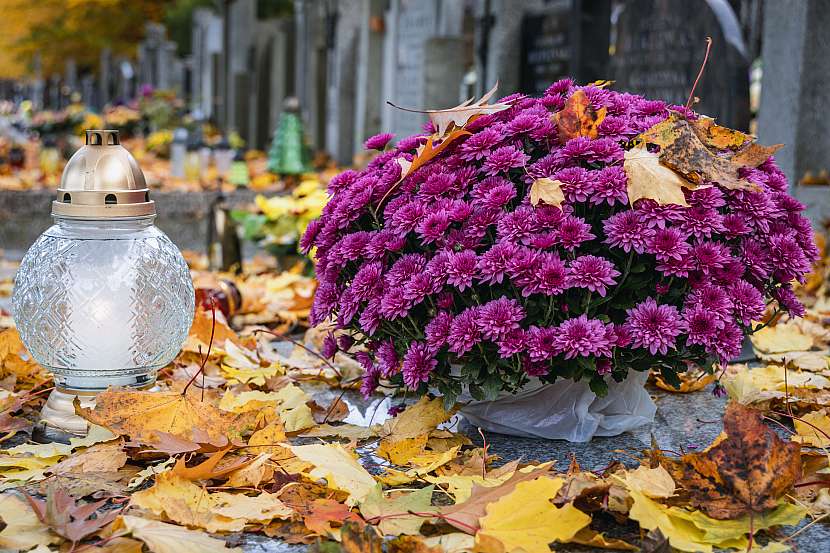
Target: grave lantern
[{"x": 103, "y": 298}]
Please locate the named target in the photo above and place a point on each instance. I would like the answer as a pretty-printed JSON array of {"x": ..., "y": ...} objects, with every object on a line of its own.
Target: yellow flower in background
[{"x": 288, "y": 216}]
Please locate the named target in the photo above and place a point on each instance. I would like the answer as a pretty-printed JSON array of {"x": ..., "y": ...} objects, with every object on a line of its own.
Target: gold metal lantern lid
[{"x": 103, "y": 181}]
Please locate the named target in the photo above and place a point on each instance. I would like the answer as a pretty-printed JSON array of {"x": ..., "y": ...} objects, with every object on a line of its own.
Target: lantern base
[{"x": 58, "y": 421}]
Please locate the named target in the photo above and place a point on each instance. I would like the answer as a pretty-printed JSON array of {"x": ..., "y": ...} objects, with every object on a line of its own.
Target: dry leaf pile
[{"x": 191, "y": 468}]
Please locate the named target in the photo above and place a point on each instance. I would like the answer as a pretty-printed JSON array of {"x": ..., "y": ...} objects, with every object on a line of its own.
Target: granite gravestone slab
[
  {"x": 659, "y": 48},
  {"x": 567, "y": 39}
]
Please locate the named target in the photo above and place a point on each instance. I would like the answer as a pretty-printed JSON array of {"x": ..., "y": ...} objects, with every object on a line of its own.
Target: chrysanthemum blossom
[{"x": 454, "y": 275}]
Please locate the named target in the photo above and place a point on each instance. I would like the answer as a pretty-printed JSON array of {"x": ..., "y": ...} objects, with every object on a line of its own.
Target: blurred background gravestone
[
  {"x": 794, "y": 97},
  {"x": 659, "y": 48}
]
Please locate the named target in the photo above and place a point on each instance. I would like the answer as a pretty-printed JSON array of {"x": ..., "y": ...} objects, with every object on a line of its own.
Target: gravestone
[
  {"x": 566, "y": 39},
  {"x": 659, "y": 49}
]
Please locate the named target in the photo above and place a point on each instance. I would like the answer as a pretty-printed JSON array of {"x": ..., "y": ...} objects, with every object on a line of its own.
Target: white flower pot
[{"x": 566, "y": 410}]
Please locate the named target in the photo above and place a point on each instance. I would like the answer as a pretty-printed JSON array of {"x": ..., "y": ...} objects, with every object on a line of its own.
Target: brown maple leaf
[
  {"x": 71, "y": 520},
  {"x": 209, "y": 468},
  {"x": 578, "y": 118},
  {"x": 745, "y": 473},
  {"x": 320, "y": 513},
  {"x": 694, "y": 150}
]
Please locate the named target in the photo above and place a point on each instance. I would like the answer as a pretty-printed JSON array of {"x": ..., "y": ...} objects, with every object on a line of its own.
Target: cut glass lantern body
[{"x": 103, "y": 303}]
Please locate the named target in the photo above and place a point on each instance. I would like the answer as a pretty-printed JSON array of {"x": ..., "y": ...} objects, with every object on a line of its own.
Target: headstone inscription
[
  {"x": 566, "y": 39},
  {"x": 659, "y": 49}
]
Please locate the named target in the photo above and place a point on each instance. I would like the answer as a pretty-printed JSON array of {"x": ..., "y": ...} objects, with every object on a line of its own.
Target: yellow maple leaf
[
  {"x": 547, "y": 191},
  {"x": 401, "y": 451},
  {"x": 417, "y": 419},
  {"x": 22, "y": 530},
  {"x": 186, "y": 503},
  {"x": 649, "y": 179},
  {"x": 140, "y": 414},
  {"x": 290, "y": 403},
  {"x": 780, "y": 338},
  {"x": 653, "y": 482},
  {"x": 813, "y": 428},
  {"x": 161, "y": 537},
  {"x": 422, "y": 464},
  {"x": 525, "y": 519},
  {"x": 339, "y": 467}
]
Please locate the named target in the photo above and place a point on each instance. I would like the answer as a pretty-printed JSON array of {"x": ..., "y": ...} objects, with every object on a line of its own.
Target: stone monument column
[{"x": 795, "y": 84}]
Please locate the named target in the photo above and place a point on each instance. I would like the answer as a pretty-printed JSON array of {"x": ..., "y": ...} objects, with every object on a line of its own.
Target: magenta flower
[
  {"x": 703, "y": 326},
  {"x": 503, "y": 159},
  {"x": 499, "y": 317},
  {"x": 747, "y": 302},
  {"x": 418, "y": 363},
  {"x": 668, "y": 243},
  {"x": 654, "y": 327},
  {"x": 388, "y": 363},
  {"x": 573, "y": 231},
  {"x": 550, "y": 277},
  {"x": 433, "y": 226},
  {"x": 583, "y": 337},
  {"x": 464, "y": 331},
  {"x": 592, "y": 273},
  {"x": 438, "y": 330},
  {"x": 626, "y": 231},
  {"x": 378, "y": 142},
  {"x": 461, "y": 269},
  {"x": 329, "y": 349}
]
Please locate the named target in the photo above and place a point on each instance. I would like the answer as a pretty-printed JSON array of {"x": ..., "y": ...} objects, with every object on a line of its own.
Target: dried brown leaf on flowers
[
  {"x": 446, "y": 120},
  {"x": 140, "y": 414},
  {"x": 465, "y": 516},
  {"x": 745, "y": 473},
  {"x": 68, "y": 519},
  {"x": 649, "y": 179},
  {"x": 716, "y": 136},
  {"x": 547, "y": 191},
  {"x": 578, "y": 118},
  {"x": 209, "y": 469},
  {"x": 682, "y": 149},
  {"x": 426, "y": 152}
]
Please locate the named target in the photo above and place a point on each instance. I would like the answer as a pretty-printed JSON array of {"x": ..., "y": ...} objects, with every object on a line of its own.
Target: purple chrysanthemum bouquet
[{"x": 454, "y": 280}]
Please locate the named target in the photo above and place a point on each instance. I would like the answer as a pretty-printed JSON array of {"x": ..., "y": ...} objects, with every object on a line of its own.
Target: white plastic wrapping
[{"x": 566, "y": 410}]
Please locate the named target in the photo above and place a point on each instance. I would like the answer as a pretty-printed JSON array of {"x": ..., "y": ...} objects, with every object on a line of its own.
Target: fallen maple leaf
[
  {"x": 140, "y": 414},
  {"x": 746, "y": 473},
  {"x": 320, "y": 513},
  {"x": 359, "y": 538},
  {"x": 446, "y": 120},
  {"x": 547, "y": 191},
  {"x": 207, "y": 469},
  {"x": 682, "y": 149},
  {"x": 417, "y": 419},
  {"x": 340, "y": 469},
  {"x": 651, "y": 180},
  {"x": 401, "y": 514},
  {"x": 186, "y": 503},
  {"x": 161, "y": 537},
  {"x": 653, "y": 482},
  {"x": 106, "y": 457},
  {"x": 21, "y": 527},
  {"x": 526, "y": 520},
  {"x": 578, "y": 118},
  {"x": 68, "y": 519},
  {"x": 465, "y": 516}
]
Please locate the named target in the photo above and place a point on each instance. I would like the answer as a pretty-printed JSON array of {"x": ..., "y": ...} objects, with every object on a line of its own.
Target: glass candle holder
[{"x": 103, "y": 298}]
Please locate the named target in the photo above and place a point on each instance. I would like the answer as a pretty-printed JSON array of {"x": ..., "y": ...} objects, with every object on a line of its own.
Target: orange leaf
[
  {"x": 578, "y": 118},
  {"x": 207, "y": 470}
]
